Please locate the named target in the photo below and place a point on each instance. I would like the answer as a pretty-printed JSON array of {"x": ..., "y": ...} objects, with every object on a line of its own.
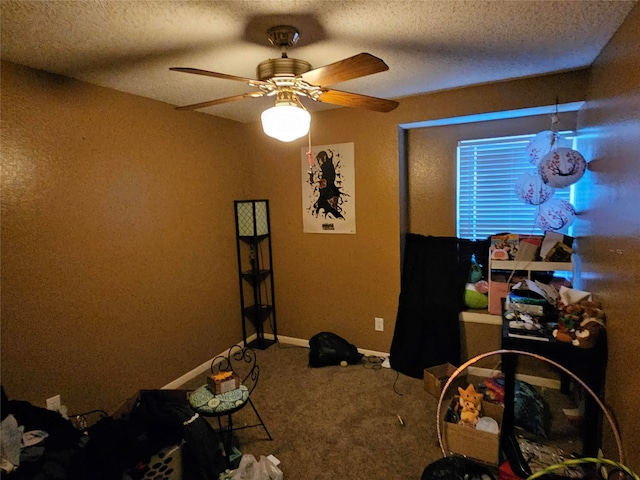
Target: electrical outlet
[
  {"x": 54, "y": 403},
  {"x": 379, "y": 324}
]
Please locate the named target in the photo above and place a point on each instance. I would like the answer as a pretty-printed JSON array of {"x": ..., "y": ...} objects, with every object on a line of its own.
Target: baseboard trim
[
  {"x": 179, "y": 382},
  {"x": 204, "y": 367},
  {"x": 300, "y": 342},
  {"x": 199, "y": 370}
]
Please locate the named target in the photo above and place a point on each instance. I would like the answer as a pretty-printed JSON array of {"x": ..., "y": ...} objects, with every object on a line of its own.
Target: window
[{"x": 488, "y": 169}]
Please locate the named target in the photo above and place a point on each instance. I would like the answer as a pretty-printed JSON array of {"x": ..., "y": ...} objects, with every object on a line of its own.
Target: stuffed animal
[
  {"x": 587, "y": 334},
  {"x": 469, "y": 415},
  {"x": 476, "y": 290},
  {"x": 471, "y": 403},
  {"x": 563, "y": 333},
  {"x": 470, "y": 395},
  {"x": 475, "y": 295},
  {"x": 580, "y": 324}
]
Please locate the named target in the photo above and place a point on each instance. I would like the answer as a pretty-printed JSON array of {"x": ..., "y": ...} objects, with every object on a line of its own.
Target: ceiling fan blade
[
  {"x": 210, "y": 103},
  {"x": 357, "y": 66},
  {"x": 207, "y": 73},
  {"x": 347, "y": 99}
]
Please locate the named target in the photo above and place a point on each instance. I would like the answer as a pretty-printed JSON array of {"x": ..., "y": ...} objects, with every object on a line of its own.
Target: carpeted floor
[
  {"x": 338, "y": 422},
  {"x": 342, "y": 422}
]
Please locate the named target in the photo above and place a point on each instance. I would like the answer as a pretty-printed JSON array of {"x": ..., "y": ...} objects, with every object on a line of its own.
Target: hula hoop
[
  {"x": 579, "y": 461},
  {"x": 466, "y": 364}
]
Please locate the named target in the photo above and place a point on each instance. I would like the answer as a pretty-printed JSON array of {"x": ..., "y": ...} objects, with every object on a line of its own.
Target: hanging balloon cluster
[{"x": 557, "y": 166}]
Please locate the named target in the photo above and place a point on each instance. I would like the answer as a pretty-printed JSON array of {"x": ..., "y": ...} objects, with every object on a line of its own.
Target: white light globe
[{"x": 286, "y": 122}]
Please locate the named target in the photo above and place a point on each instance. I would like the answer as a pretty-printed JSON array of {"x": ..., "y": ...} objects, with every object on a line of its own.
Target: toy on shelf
[
  {"x": 476, "y": 289},
  {"x": 580, "y": 324}
]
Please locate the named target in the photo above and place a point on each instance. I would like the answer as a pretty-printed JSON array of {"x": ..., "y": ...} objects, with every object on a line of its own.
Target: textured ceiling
[{"x": 429, "y": 45}]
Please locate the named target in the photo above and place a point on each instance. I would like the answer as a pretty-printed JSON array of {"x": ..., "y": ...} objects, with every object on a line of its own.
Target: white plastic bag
[{"x": 252, "y": 469}]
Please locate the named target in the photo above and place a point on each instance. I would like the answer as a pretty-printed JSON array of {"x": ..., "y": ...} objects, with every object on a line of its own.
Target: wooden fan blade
[
  {"x": 207, "y": 73},
  {"x": 221, "y": 100},
  {"x": 347, "y": 99},
  {"x": 357, "y": 66}
]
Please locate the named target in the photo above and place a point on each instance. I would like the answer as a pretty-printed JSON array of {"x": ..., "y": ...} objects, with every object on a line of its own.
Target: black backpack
[{"x": 330, "y": 349}]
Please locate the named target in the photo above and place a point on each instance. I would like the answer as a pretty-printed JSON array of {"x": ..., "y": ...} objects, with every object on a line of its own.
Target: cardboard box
[
  {"x": 223, "y": 382},
  {"x": 436, "y": 377},
  {"x": 476, "y": 444}
]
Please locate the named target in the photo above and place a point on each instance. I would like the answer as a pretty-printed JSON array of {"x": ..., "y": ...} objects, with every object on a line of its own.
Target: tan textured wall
[
  {"x": 609, "y": 226},
  {"x": 118, "y": 243}
]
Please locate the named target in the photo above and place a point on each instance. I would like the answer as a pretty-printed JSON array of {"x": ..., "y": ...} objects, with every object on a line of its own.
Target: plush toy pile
[
  {"x": 465, "y": 410},
  {"x": 580, "y": 324}
]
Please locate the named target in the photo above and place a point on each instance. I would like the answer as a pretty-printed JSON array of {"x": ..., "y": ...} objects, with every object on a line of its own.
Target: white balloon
[
  {"x": 555, "y": 214},
  {"x": 562, "y": 167},
  {"x": 532, "y": 190}
]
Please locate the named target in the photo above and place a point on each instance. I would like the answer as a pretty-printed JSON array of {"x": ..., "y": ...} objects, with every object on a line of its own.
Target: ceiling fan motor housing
[{"x": 281, "y": 67}]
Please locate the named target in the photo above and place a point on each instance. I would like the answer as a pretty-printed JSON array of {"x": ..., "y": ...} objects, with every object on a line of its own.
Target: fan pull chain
[{"x": 310, "y": 158}]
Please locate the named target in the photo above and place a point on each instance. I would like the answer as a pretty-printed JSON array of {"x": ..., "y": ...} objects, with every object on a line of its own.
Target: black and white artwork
[{"x": 328, "y": 189}]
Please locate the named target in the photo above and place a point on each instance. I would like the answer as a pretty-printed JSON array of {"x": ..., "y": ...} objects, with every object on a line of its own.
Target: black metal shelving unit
[{"x": 257, "y": 291}]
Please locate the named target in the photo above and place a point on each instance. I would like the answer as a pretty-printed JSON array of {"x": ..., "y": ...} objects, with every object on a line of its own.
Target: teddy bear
[
  {"x": 471, "y": 403},
  {"x": 580, "y": 324},
  {"x": 587, "y": 334}
]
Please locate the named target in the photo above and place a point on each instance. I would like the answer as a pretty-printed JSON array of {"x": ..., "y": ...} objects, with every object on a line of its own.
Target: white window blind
[{"x": 488, "y": 169}]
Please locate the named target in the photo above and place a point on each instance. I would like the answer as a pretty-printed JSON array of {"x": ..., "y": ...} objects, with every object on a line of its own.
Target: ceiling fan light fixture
[
  {"x": 291, "y": 78},
  {"x": 287, "y": 120}
]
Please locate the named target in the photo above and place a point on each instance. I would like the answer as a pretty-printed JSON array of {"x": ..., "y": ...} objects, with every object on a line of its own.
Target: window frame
[{"x": 509, "y": 161}]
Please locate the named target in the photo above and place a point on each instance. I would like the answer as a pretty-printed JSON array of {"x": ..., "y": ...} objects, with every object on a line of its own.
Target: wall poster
[{"x": 328, "y": 189}]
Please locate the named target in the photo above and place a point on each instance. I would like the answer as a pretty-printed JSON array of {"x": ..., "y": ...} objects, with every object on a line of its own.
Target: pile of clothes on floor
[{"x": 40, "y": 444}]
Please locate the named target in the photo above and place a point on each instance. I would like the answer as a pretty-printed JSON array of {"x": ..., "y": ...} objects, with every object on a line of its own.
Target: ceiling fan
[{"x": 290, "y": 78}]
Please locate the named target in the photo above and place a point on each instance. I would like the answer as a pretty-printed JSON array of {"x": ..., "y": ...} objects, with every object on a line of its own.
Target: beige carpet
[
  {"x": 342, "y": 422},
  {"x": 338, "y": 422}
]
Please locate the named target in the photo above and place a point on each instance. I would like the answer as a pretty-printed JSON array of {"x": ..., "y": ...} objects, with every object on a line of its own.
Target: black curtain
[{"x": 434, "y": 274}]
